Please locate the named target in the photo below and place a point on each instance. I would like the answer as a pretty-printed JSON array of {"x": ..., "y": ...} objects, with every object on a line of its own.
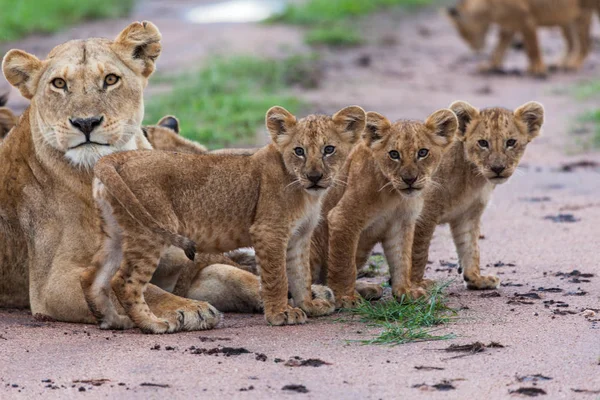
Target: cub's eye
[
  {"x": 329, "y": 150},
  {"x": 299, "y": 151},
  {"x": 59, "y": 83},
  {"x": 423, "y": 153},
  {"x": 511, "y": 142},
  {"x": 483, "y": 144},
  {"x": 394, "y": 155},
  {"x": 111, "y": 79}
]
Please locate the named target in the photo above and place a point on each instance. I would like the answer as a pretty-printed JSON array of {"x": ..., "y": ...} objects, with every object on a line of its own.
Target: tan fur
[
  {"x": 7, "y": 119},
  {"x": 466, "y": 178},
  {"x": 165, "y": 136},
  {"x": 379, "y": 201},
  {"x": 215, "y": 203},
  {"x": 472, "y": 18}
]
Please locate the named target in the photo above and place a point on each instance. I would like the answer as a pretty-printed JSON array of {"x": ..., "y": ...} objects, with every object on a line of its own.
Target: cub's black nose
[
  {"x": 410, "y": 180},
  {"x": 314, "y": 177},
  {"x": 86, "y": 125},
  {"x": 498, "y": 170}
]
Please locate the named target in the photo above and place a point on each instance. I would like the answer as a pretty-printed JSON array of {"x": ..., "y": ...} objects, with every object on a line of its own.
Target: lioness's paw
[
  {"x": 347, "y": 301},
  {"x": 117, "y": 322},
  {"x": 318, "y": 307},
  {"x": 193, "y": 316},
  {"x": 425, "y": 284},
  {"x": 482, "y": 282},
  {"x": 412, "y": 292},
  {"x": 290, "y": 316},
  {"x": 369, "y": 291}
]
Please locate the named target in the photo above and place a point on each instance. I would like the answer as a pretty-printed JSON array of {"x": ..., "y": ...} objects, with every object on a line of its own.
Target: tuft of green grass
[
  {"x": 593, "y": 118},
  {"x": 225, "y": 102},
  {"x": 407, "y": 321},
  {"x": 22, "y": 17},
  {"x": 587, "y": 89},
  {"x": 336, "y": 35}
]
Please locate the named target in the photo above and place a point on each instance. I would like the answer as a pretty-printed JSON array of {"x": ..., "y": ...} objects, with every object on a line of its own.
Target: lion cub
[
  {"x": 491, "y": 143},
  {"x": 165, "y": 136},
  {"x": 270, "y": 200},
  {"x": 379, "y": 201},
  {"x": 7, "y": 118},
  {"x": 472, "y": 19}
]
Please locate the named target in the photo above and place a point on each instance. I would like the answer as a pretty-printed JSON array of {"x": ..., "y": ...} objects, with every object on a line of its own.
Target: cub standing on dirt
[
  {"x": 490, "y": 146},
  {"x": 379, "y": 200},
  {"x": 473, "y": 18},
  {"x": 214, "y": 203}
]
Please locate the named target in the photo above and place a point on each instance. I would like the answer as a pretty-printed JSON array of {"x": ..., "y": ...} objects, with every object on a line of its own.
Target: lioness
[
  {"x": 214, "y": 203},
  {"x": 384, "y": 181},
  {"x": 7, "y": 118},
  {"x": 473, "y": 18},
  {"x": 491, "y": 143},
  {"x": 86, "y": 101}
]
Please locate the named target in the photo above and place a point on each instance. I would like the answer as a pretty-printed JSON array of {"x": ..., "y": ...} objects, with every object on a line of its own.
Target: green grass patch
[
  {"x": 22, "y": 17},
  {"x": 225, "y": 102},
  {"x": 406, "y": 321},
  {"x": 588, "y": 89},
  {"x": 333, "y": 22},
  {"x": 592, "y": 118}
]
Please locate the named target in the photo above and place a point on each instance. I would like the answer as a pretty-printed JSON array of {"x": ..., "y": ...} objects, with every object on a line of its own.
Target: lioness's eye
[
  {"x": 483, "y": 144},
  {"x": 299, "y": 151},
  {"x": 423, "y": 153},
  {"x": 59, "y": 83},
  {"x": 511, "y": 142},
  {"x": 329, "y": 149},
  {"x": 394, "y": 155},
  {"x": 110, "y": 80}
]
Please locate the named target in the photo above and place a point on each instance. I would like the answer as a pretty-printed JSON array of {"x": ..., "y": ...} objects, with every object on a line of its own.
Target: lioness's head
[
  {"x": 315, "y": 147},
  {"x": 409, "y": 152},
  {"x": 165, "y": 136},
  {"x": 495, "y": 138},
  {"x": 86, "y": 97},
  {"x": 470, "y": 23}
]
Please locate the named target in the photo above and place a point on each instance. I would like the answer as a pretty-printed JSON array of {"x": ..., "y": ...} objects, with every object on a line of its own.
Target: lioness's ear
[
  {"x": 350, "y": 122},
  {"x": 138, "y": 46},
  {"x": 376, "y": 129},
  {"x": 443, "y": 124},
  {"x": 169, "y": 122},
  {"x": 465, "y": 114},
  {"x": 22, "y": 70},
  {"x": 532, "y": 115},
  {"x": 279, "y": 121}
]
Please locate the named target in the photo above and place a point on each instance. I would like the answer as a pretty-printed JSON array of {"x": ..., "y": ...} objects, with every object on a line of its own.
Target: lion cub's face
[
  {"x": 495, "y": 138},
  {"x": 86, "y": 97},
  {"x": 471, "y": 27},
  {"x": 409, "y": 152},
  {"x": 315, "y": 148}
]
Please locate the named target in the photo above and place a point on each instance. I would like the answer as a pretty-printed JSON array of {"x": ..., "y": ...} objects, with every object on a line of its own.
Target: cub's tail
[{"x": 105, "y": 170}]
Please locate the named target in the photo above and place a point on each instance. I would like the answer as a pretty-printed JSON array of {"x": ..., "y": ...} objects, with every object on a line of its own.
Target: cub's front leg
[
  {"x": 465, "y": 233},
  {"x": 270, "y": 246}
]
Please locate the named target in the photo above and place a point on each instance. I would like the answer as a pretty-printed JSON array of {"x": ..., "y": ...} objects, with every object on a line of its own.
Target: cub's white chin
[{"x": 88, "y": 155}]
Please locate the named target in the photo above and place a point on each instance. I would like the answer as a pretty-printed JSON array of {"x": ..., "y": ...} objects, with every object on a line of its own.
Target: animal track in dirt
[
  {"x": 528, "y": 391},
  {"x": 549, "y": 290},
  {"x": 426, "y": 368},
  {"x": 311, "y": 362},
  {"x": 442, "y": 386},
  {"x": 542, "y": 199},
  {"x": 501, "y": 264},
  {"x": 158, "y": 385},
  {"x": 490, "y": 294},
  {"x": 562, "y": 218},
  {"x": 261, "y": 357},
  {"x": 533, "y": 378},
  {"x": 586, "y": 391},
  {"x": 215, "y": 351},
  {"x": 295, "y": 388},
  {"x": 470, "y": 349},
  {"x": 93, "y": 382},
  {"x": 585, "y": 164},
  {"x": 577, "y": 292},
  {"x": 210, "y": 339},
  {"x": 575, "y": 276}
]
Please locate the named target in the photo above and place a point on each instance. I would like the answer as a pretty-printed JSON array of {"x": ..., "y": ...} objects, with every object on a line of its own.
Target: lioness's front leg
[
  {"x": 465, "y": 232},
  {"x": 497, "y": 58},
  {"x": 532, "y": 47},
  {"x": 397, "y": 246},
  {"x": 270, "y": 245}
]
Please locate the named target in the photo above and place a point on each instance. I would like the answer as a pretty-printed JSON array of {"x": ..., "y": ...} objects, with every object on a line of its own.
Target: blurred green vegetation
[
  {"x": 225, "y": 102},
  {"x": 332, "y": 22},
  {"x": 583, "y": 91},
  {"x": 21, "y": 17}
]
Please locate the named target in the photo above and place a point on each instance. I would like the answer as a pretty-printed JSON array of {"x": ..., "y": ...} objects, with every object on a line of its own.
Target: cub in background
[
  {"x": 378, "y": 199},
  {"x": 270, "y": 200},
  {"x": 490, "y": 145}
]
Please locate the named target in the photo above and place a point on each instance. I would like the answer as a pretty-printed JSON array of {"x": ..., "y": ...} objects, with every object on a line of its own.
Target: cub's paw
[
  {"x": 369, "y": 291},
  {"x": 318, "y": 307},
  {"x": 425, "y": 284},
  {"x": 117, "y": 322},
  {"x": 290, "y": 316},
  {"x": 348, "y": 301},
  {"x": 411, "y": 292},
  {"x": 322, "y": 292},
  {"x": 191, "y": 316},
  {"x": 482, "y": 282}
]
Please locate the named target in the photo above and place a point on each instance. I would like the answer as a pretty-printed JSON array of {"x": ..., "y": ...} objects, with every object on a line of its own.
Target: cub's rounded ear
[
  {"x": 532, "y": 116},
  {"x": 279, "y": 122},
  {"x": 22, "y": 70},
  {"x": 377, "y": 128},
  {"x": 465, "y": 114},
  {"x": 138, "y": 46},
  {"x": 443, "y": 124},
  {"x": 169, "y": 122},
  {"x": 350, "y": 122},
  {"x": 7, "y": 121},
  {"x": 452, "y": 12}
]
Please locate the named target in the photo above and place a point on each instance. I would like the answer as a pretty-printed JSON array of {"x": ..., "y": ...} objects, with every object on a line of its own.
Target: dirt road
[{"x": 548, "y": 344}]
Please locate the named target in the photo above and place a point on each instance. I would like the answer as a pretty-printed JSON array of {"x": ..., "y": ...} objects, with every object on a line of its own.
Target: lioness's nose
[
  {"x": 314, "y": 177},
  {"x": 498, "y": 169},
  {"x": 86, "y": 125}
]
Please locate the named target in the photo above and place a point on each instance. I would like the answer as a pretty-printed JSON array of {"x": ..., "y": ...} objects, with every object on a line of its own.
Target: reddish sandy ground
[{"x": 422, "y": 67}]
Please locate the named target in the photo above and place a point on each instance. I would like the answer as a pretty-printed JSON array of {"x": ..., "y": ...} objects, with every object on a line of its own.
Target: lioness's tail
[{"x": 105, "y": 170}]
